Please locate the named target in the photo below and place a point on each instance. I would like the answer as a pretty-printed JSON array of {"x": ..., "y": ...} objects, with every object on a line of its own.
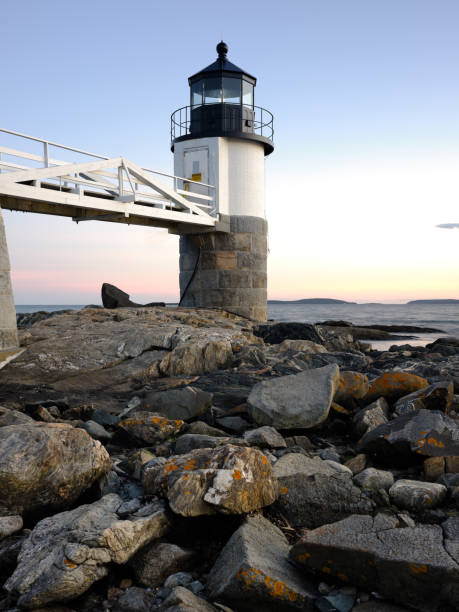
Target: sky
[{"x": 365, "y": 97}]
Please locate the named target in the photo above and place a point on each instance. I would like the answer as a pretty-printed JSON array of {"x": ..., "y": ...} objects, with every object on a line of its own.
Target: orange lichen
[
  {"x": 434, "y": 442},
  {"x": 236, "y": 475},
  {"x": 283, "y": 490},
  {"x": 264, "y": 460},
  {"x": 69, "y": 564},
  {"x": 303, "y": 557},
  {"x": 418, "y": 568}
]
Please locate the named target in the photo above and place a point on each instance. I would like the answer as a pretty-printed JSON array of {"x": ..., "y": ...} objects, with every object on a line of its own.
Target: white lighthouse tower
[{"x": 221, "y": 139}]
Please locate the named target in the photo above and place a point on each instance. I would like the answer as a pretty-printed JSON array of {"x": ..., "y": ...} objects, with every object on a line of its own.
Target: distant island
[
  {"x": 310, "y": 301},
  {"x": 434, "y": 302}
]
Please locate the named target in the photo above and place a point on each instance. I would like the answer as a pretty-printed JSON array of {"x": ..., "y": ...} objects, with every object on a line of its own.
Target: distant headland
[
  {"x": 434, "y": 302},
  {"x": 310, "y": 301}
]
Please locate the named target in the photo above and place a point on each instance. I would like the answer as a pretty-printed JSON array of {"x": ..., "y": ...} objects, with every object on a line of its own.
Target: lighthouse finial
[{"x": 222, "y": 50}]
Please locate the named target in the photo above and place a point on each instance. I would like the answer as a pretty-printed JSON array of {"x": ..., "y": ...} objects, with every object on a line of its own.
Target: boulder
[
  {"x": 9, "y": 525},
  {"x": 112, "y": 297},
  {"x": 438, "y": 396},
  {"x": 352, "y": 386},
  {"x": 371, "y": 417},
  {"x": 374, "y": 479},
  {"x": 252, "y": 575},
  {"x": 229, "y": 479},
  {"x": 301, "y": 346},
  {"x": 186, "y": 403},
  {"x": 134, "y": 599},
  {"x": 416, "y": 496},
  {"x": 424, "y": 433},
  {"x": 46, "y": 466},
  {"x": 296, "y": 401},
  {"x": 184, "y": 600},
  {"x": 278, "y": 332},
  {"x": 189, "y": 442},
  {"x": 265, "y": 437},
  {"x": 434, "y": 468},
  {"x": 203, "y": 429},
  {"x": 149, "y": 427},
  {"x": 416, "y": 566},
  {"x": 13, "y": 417},
  {"x": 66, "y": 553},
  {"x": 153, "y": 563},
  {"x": 394, "y": 385},
  {"x": 314, "y": 491},
  {"x": 197, "y": 357}
]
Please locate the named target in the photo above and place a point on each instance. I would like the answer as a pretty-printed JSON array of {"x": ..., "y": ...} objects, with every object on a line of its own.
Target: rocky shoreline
[{"x": 188, "y": 459}]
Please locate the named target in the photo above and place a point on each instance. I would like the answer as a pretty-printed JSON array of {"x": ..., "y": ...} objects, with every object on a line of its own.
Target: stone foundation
[
  {"x": 229, "y": 268},
  {"x": 8, "y": 329}
]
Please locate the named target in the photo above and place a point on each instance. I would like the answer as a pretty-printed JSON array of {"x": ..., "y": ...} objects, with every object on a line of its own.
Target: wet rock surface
[{"x": 175, "y": 459}]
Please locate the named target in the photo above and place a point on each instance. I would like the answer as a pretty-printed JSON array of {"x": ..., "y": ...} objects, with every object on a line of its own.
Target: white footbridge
[{"x": 40, "y": 176}]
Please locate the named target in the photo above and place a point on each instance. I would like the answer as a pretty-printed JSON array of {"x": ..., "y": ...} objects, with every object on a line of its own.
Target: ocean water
[{"x": 444, "y": 317}]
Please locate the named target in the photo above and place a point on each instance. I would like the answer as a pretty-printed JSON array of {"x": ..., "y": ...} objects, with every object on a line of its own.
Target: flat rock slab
[
  {"x": 94, "y": 339},
  {"x": 228, "y": 479},
  {"x": 47, "y": 465},
  {"x": 296, "y": 401},
  {"x": 66, "y": 553},
  {"x": 150, "y": 428},
  {"x": 426, "y": 433},
  {"x": 416, "y": 566},
  {"x": 253, "y": 571},
  {"x": 314, "y": 491}
]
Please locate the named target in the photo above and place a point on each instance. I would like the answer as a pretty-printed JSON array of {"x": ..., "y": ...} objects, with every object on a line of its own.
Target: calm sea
[{"x": 439, "y": 316}]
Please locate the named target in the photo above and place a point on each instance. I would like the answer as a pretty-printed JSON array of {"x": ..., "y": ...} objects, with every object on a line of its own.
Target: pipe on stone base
[{"x": 227, "y": 270}]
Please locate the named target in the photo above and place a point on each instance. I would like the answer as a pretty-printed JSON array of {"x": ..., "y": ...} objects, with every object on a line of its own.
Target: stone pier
[
  {"x": 227, "y": 270},
  {"x": 8, "y": 329}
]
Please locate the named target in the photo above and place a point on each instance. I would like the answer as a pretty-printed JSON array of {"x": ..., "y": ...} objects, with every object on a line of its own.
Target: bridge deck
[{"x": 102, "y": 189}]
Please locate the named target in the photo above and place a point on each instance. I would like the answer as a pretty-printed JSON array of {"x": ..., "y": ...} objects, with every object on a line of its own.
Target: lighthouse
[{"x": 221, "y": 139}]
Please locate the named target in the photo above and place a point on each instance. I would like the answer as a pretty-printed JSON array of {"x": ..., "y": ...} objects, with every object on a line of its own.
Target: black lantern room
[{"x": 222, "y": 104}]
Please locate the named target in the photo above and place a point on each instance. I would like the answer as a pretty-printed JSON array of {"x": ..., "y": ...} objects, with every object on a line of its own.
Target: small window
[
  {"x": 247, "y": 93},
  {"x": 196, "y": 94},
  {"x": 231, "y": 90},
  {"x": 196, "y": 167},
  {"x": 212, "y": 91}
]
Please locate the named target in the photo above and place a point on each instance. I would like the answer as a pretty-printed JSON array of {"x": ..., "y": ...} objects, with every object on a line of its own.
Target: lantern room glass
[
  {"x": 196, "y": 94},
  {"x": 212, "y": 90},
  {"x": 231, "y": 90},
  {"x": 247, "y": 93}
]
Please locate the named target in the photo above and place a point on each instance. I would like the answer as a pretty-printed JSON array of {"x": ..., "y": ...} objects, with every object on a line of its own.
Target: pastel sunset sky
[{"x": 365, "y": 97}]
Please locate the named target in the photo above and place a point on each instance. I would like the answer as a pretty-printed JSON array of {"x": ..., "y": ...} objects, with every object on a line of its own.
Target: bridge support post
[
  {"x": 227, "y": 270},
  {"x": 8, "y": 329}
]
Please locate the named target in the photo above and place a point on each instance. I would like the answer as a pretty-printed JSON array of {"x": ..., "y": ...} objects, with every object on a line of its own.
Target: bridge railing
[{"x": 30, "y": 153}]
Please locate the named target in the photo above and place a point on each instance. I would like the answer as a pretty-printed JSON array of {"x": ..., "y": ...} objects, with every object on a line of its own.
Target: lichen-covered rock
[
  {"x": 416, "y": 566},
  {"x": 352, "y": 386},
  {"x": 149, "y": 427},
  {"x": 252, "y": 571},
  {"x": 428, "y": 433},
  {"x": 393, "y": 385},
  {"x": 186, "y": 403},
  {"x": 47, "y": 466},
  {"x": 228, "y": 479},
  {"x": 314, "y": 491},
  {"x": 66, "y": 553},
  {"x": 415, "y": 495},
  {"x": 296, "y": 401}
]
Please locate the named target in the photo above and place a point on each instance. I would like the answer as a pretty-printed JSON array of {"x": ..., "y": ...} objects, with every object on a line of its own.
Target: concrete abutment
[{"x": 8, "y": 329}]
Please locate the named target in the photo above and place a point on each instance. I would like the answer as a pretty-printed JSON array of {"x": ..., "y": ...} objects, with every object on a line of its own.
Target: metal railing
[
  {"x": 116, "y": 184},
  {"x": 262, "y": 121}
]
